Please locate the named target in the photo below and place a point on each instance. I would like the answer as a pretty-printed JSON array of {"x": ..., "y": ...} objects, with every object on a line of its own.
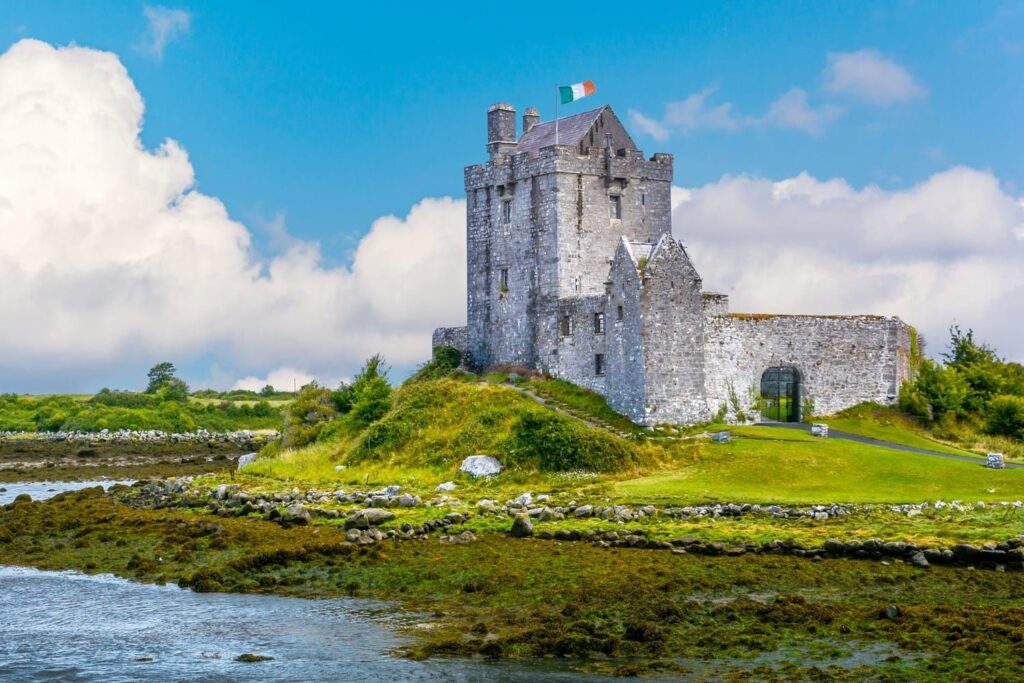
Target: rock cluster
[
  {"x": 241, "y": 437},
  {"x": 378, "y": 507}
]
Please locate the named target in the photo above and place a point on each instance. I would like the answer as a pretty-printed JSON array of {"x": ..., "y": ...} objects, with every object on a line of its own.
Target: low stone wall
[
  {"x": 363, "y": 513},
  {"x": 455, "y": 337},
  {"x": 152, "y": 436}
]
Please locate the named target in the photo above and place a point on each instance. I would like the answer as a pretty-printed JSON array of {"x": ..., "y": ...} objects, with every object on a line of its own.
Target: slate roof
[{"x": 571, "y": 130}]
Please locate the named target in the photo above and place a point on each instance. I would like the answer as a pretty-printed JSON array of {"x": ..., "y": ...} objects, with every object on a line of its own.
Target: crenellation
[{"x": 572, "y": 270}]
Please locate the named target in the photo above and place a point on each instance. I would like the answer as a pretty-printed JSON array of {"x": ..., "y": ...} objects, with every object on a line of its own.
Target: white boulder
[
  {"x": 246, "y": 460},
  {"x": 481, "y": 466}
]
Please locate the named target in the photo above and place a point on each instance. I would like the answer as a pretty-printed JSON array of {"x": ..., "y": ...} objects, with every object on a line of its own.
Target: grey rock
[
  {"x": 446, "y": 486},
  {"x": 583, "y": 511},
  {"x": 459, "y": 539},
  {"x": 891, "y": 612},
  {"x": 246, "y": 460},
  {"x": 364, "y": 519},
  {"x": 919, "y": 559},
  {"x": 521, "y": 527},
  {"x": 481, "y": 466},
  {"x": 296, "y": 514}
]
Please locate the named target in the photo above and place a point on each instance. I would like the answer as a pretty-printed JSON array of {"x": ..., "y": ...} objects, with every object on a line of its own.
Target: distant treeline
[
  {"x": 165, "y": 405},
  {"x": 115, "y": 410}
]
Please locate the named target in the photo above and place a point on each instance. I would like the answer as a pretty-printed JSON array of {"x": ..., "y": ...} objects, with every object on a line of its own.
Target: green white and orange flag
[{"x": 571, "y": 93}]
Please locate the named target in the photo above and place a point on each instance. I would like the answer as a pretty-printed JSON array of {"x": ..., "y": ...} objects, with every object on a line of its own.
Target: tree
[
  {"x": 370, "y": 393},
  {"x": 159, "y": 375},
  {"x": 1006, "y": 416},
  {"x": 267, "y": 390},
  {"x": 307, "y": 415}
]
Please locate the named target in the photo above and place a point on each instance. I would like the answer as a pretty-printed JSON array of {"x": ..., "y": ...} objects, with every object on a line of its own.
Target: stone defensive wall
[
  {"x": 840, "y": 360},
  {"x": 566, "y": 159},
  {"x": 455, "y": 337}
]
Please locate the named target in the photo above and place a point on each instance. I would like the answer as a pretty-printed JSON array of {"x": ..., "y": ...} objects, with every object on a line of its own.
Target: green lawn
[
  {"x": 793, "y": 468},
  {"x": 891, "y": 432}
]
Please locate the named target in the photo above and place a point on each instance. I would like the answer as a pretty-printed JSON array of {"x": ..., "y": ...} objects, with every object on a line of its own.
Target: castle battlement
[{"x": 572, "y": 270}]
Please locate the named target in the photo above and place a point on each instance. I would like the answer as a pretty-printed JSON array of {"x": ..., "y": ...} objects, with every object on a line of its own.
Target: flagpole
[{"x": 557, "y": 97}]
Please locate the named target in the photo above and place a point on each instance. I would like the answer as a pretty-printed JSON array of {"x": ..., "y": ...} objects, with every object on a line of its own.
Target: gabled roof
[
  {"x": 588, "y": 129},
  {"x": 638, "y": 250},
  {"x": 571, "y": 130}
]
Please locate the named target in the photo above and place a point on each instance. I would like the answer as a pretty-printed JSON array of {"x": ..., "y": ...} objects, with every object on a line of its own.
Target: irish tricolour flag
[{"x": 571, "y": 93}]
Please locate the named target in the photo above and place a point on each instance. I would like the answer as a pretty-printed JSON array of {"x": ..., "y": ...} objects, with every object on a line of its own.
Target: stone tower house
[{"x": 573, "y": 271}]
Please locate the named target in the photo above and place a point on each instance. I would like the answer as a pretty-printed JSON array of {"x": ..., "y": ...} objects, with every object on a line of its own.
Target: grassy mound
[
  {"x": 433, "y": 424},
  {"x": 440, "y": 422}
]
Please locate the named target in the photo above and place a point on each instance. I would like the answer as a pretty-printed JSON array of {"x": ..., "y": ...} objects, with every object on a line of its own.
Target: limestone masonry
[{"x": 573, "y": 271}]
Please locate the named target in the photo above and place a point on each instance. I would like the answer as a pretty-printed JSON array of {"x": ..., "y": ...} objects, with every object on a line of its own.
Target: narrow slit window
[
  {"x": 599, "y": 323},
  {"x": 506, "y": 212},
  {"x": 565, "y": 326},
  {"x": 503, "y": 279},
  {"x": 618, "y": 312},
  {"x": 599, "y": 364},
  {"x": 615, "y": 206}
]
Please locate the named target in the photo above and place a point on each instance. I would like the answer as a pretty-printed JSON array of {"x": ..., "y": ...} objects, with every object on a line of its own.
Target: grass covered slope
[
  {"x": 432, "y": 425},
  {"x": 889, "y": 424}
]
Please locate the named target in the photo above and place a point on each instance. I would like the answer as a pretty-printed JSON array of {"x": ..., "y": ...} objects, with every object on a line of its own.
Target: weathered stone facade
[{"x": 573, "y": 271}]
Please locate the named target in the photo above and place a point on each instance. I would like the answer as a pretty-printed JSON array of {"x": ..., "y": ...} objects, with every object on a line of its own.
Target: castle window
[
  {"x": 618, "y": 312},
  {"x": 565, "y": 326},
  {"x": 615, "y": 206},
  {"x": 599, "y": 364},
  {"x": 506, "y": 212},
  {"x": 599, "y": 323},
  {"x": 503, "y": 279},
  {"x": 643, "y": 199}
]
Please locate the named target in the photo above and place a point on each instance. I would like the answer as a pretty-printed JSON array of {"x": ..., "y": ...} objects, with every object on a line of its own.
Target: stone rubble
[
  {"x": 376, "y": 508},
  {"x": 129, "y": 436}
]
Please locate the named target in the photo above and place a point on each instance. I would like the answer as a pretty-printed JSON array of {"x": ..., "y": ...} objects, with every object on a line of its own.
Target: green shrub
[
  {"x": 308, "y": 415},
  {"x": 554, "y": 443},
  {"x": 1006, "y": 416}
]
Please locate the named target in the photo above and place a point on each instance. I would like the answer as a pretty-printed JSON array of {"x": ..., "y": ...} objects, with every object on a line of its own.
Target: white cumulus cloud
[
  {"x": 697, "y": 112},
  {"x": 867, "y": 75},
  {"x": 110, "y": 258},
  {"x": 947, "y": 249},
  {"x": 791, "y": 110},
  {"x": 163, "y": 26}
]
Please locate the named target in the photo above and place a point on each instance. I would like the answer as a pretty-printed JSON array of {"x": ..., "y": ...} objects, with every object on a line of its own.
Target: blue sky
[
  {"x": 337, "y": 113},
  {"x": 332, "y": 115}
]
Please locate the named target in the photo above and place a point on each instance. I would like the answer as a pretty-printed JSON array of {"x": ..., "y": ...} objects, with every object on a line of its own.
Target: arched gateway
[{"x": 780, "y": 394}]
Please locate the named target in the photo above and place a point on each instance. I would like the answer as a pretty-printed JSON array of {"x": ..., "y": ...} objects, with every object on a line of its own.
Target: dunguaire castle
[{"x": 573, "y": 271}]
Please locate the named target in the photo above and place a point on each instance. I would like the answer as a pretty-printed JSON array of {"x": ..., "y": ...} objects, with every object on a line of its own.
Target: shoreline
[
  {"x": 75, "y": 456},
  {"x": 501, "y": 597}
]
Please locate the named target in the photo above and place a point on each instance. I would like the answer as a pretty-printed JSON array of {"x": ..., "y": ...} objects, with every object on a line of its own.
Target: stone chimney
[
  {"x": 501, "y": 129},
  {"x": 531, "y": 117}
]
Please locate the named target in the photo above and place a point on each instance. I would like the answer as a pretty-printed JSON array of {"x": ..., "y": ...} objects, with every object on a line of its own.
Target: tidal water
[
  {"x": 66, "y": 626},
  {"x": 41, "y": 490}
]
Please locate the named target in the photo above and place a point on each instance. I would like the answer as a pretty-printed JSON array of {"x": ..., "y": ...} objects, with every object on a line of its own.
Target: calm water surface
[
  {"x": 65, "y": 626},
  {"x": 41, "y": 490}
]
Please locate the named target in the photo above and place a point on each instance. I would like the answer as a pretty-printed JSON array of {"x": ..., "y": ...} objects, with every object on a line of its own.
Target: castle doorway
[{"x": 780, "y": 394}]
